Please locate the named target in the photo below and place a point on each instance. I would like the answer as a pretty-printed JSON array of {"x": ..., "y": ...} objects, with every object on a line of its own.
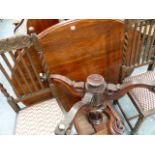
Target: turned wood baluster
[
  {"x": 42, "y": 59},
  {"x": 10, "y": 99},
  {"x": 33, "y": 67},
  {"x": 125, "y": 48},
  {"x": 124, "y": 53},
  {"x": 133, "y": 43}
]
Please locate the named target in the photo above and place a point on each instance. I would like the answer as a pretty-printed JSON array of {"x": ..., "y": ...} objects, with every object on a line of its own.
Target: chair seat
[
  {"x": 39, "y": 119},
  {"x": 144, "y": 98}
]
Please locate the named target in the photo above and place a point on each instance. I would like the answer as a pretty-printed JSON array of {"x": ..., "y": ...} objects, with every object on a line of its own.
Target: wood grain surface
[
  {"x": 41, "y": 24},
  {"x": 78, "y": 48}
]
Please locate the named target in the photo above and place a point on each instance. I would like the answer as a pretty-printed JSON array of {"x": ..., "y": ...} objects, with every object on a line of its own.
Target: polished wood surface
[
  {"x": 106, "y": 127},
  {"x": 78, "y": 48},
  {"x": 83, "y": 47},
  {"x": 38, "y": 24},
  {"x": 41, "y": 24},
  {"x": 84, "y": 127}
]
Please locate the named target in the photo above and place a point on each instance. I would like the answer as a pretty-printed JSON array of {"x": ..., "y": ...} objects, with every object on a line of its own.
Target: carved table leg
[{"x": 64, "y": 126}]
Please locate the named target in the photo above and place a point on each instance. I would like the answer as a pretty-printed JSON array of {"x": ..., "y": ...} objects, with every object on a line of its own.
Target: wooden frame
[
  {"x": 138, "y": 50},
  {"x": 26, "y": 71},
  {"x": 78, "y": 48}
]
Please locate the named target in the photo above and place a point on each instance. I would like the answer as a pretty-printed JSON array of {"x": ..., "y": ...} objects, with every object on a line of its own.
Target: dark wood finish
[
  {"x": 26, "y": 66},
  {"x": 41, "y": 24},
  {"x": 10, "y": 100},
  {"x": 106, "y": 127},
  {"x": 96, "y": 104},
  {"x": 78, "y": 48},
  {"x": 84, "y": 127},
  {"x": 138, "y": 50},
  {"x": 38, "y": 24},
  {"x": 92, "y": 47}
]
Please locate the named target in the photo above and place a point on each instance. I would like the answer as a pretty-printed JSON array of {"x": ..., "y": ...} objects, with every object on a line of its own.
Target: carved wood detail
[{"x": 15, "y": 43}]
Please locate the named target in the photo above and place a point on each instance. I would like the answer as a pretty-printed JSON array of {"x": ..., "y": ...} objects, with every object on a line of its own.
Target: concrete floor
[{"x": 8, "y": 116}]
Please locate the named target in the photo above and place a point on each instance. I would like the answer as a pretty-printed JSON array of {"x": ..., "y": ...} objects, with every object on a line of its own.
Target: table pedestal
[{"x": 107, "y": 127}]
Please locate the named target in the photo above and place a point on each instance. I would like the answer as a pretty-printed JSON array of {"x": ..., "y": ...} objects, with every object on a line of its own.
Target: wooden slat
[
  {"x": 29, "y": 74},
  {"x": 133, "y": 44},
  {"x": 32, "y": 95},
  {"x": 20, "y": 72},
  {"x": 147, "y": 42},
  {"x": 138, "y": 42},
  {"x": 33, "y": 67},
  {"x": 9, "y": 80},
  {"x": 151, "y": 44},
  {"x": 13, "y": 74},
  {"x": 143, "y": 41}
]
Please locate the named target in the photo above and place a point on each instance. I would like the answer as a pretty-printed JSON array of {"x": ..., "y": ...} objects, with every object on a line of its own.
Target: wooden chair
[
  {"x": 41, "y": 118},
  {"x": 138, "y": 50}
]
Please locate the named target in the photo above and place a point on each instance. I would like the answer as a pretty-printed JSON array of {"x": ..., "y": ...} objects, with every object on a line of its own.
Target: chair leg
[{"x": 138, "y": 124}]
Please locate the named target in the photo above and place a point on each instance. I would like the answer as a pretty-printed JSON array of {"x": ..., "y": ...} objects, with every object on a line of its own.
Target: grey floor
[{"x": 8, "y": 116}]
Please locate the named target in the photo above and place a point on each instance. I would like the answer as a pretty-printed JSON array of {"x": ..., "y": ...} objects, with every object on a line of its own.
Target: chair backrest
[
  {"x": 138, "y": 49},
  {"x": 24, "y": 79}
]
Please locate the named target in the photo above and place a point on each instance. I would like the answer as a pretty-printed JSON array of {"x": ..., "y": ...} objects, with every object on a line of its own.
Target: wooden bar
[
  {"x": 13, "y": 74},
  {"x": 143, "y": 41},
  {"x": 20, "y": 71},
  {"x": 151, "y": 45},
  {"x": 139, "y": 42},
  {"x": 10, "y": 99},
  {"x": 133, "y": 44},
  {"x": 9, "y": 80},
  {"x": 36, "y": 93},
  {"x": 147, "y": 42},
  {"x": 125, "y": 45},
  {"x": 29, "y": 74},
  {"x": 33, "y": 67}
]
